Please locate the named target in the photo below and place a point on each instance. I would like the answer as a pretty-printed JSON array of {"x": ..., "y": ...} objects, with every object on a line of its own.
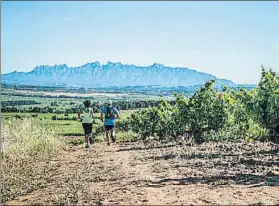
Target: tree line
[
  {"x": 18, "y": 102},
  {"x": 97, "y": 107}
]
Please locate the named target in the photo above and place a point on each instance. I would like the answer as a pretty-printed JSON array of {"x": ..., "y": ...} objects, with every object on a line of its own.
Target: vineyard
[{"x": 211, "y": 115}]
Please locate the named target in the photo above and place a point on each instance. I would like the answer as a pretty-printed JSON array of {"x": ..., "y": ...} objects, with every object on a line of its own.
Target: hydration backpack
[{"x": 110, "y": 113}]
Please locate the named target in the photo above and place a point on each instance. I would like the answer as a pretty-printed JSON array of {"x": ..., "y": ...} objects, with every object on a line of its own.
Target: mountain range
[{"x": 113, "y": 74}]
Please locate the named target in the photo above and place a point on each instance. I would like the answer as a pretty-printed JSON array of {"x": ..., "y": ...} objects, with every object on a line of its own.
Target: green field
[
  {"x": 61, "y": 104},
  {"x": 61, "y": 127}
]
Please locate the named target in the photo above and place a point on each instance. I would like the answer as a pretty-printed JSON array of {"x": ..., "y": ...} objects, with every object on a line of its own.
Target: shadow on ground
[
  {"x": 138, "y": 148},
  {"x": 253, "y": 162},
  {"x": 217, "y": 155},
  {"x": 244, "y": 179}
]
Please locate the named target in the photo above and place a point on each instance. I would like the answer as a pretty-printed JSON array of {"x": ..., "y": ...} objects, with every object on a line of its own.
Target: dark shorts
[
  {"x": 87, "y": 128},
  {"x": 109, "y": 127}
]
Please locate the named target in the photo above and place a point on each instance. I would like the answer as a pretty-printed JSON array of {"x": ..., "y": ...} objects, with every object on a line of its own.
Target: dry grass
[{"x": 27, "y": 147}]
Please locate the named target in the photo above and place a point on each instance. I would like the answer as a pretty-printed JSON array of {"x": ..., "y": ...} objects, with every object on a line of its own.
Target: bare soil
[{"x": 159, "y": 174}]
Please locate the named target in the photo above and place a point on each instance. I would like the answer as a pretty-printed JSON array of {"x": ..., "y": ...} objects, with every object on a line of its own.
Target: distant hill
[{"x": 113, "y": 74}]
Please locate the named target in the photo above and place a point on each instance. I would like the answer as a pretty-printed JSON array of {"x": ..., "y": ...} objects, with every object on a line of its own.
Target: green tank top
[{"x": 87, "y": 118}]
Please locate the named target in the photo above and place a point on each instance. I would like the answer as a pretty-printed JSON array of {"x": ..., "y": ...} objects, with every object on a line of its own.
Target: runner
[
  {"x": 111, "y": 113},
  {"x": 87, "y": 121}
]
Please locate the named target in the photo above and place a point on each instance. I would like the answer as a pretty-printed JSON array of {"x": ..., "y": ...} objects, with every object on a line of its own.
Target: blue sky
[{"x": 228, "y": 39}]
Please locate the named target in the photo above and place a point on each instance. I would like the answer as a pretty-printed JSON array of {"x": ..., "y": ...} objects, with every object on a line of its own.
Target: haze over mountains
[{"x": 113, "y": 74}]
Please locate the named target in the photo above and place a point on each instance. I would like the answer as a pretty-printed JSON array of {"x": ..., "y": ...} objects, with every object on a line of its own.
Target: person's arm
[
  {"x": 102, "y": 115},
  {"x": 92, "y": 113},
  {"x": 79, "y": 112},
  {"x": 117, "y": 114}
]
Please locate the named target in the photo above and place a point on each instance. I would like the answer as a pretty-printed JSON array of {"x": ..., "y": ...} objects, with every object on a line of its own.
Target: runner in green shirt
[{"x": 87, "y": 121}]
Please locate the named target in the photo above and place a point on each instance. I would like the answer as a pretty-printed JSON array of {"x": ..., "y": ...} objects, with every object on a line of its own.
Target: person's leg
[
  {"x": 86, "y": 141},
  {"x": 85, "y": 127},
  {"x": 90, "y": 134},
  {"x": 91, "y": 138},
  {"x": 113, "y": 135},
  {"x": 110, "y": 135},
  {"x": 107, "y": 134},
  {"x": 110, "y": 132}
]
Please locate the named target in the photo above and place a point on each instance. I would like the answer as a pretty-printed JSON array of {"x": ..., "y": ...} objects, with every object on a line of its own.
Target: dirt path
[{"x": 136, "y": 173}]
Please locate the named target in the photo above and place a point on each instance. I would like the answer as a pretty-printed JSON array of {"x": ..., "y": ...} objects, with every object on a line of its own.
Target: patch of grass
[
  {"x": 100, "y": 138},
  {"x": 126, "y": 136},
  {"x": 74, "y": 191},
  {"x": 27, "y": 148},
  {"x": 28, "y": 138},
  {"x": 76, "y": 142}
]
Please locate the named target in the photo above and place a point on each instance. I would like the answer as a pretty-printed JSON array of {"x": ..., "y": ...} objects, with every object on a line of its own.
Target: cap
[{"x": 109, "y": 102}]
